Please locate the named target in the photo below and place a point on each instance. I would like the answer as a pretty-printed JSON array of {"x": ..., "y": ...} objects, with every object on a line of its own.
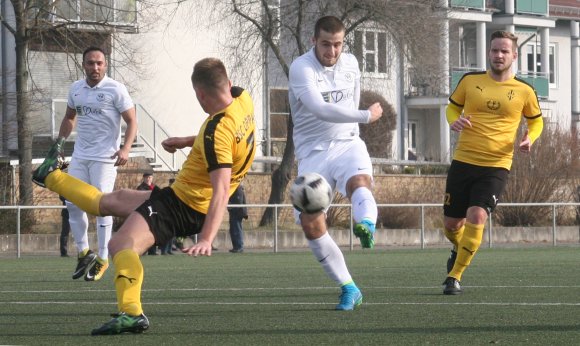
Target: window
[
  {"x": 534, "y": 57},
  {"x": 412, "y": 135},
  {"x": 370, "y": 48},
  {"x": 279, "y": 113}
]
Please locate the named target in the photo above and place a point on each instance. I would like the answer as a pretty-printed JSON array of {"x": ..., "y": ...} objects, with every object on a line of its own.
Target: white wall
[{"x": 169, "y": 51}]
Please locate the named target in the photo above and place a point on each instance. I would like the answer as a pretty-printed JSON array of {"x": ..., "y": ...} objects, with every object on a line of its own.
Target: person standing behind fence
[
  {"x": 237, "y": 214},
  {"x": 485, "y": 108},
  {"x": 64, "y": 229}
]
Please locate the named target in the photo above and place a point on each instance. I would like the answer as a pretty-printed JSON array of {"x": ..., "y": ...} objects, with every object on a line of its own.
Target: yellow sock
[
  {"x": 128, "y": 281},
  {"x": 472, "y": 236},
  {"x": 81, "y": 194},
  {"x": 454, "y": 237}
]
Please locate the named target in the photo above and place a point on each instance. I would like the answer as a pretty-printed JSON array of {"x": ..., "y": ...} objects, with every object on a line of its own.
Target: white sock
[
  {"x": 79, "y": 222},
  {"x": 364, "y": 205},
  {"x": 330, "y": 257},
  {"x": 104, "y": 229}
]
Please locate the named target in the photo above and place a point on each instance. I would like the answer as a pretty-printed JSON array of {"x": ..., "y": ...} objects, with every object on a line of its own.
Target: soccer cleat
[
  {"x": 350, "y": 297},
  {"x": 84, "y": 264},
  {"x": 451, "y": 286},
  {"x": 451, "y": 260},
  {"x": 97, "y": 270},
  {"x": 365, "y": 231},
  {"x": 123, "y": 323},
  {"x": 54, "y": 160}
]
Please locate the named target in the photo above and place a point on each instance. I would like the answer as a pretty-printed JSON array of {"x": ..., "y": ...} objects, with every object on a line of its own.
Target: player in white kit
[
  {"x": 96, "y": 105},
  {"x": 324, "y": 94}
]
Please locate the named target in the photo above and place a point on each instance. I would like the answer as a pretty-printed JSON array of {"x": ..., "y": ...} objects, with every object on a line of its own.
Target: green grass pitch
[{"x": 511, "y": 296}]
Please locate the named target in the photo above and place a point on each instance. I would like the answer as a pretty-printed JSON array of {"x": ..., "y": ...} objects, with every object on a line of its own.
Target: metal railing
[
  {"x": 276, "y": 226},
  {"x": 151, "y": 134}
]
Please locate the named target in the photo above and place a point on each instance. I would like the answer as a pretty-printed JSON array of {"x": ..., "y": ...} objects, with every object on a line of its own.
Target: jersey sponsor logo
[
  {"x": 86, "y": 110},
  {"x": 337, "y": 96}
]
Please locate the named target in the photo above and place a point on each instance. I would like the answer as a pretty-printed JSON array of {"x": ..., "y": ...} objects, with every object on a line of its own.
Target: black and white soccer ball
[{"x": 310, "y": 193}]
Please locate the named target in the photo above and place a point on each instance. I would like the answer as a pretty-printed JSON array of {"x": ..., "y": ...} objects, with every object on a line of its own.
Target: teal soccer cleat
[
  {"x": 123, "y": 323},
  {"x": 350, "y": 297},
  {"x": 365, "y": 231}
]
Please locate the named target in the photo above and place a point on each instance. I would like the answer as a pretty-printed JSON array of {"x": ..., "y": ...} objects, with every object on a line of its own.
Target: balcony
[
  {"x": 90, "y": 14},
  {"x": 538, "y": 80},
  {"x": 473, "y": 4},
  {"x": 536, "y": 7}
]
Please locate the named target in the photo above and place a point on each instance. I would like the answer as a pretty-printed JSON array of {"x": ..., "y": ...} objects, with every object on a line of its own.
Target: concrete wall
[{"x": 260, "y": 240}]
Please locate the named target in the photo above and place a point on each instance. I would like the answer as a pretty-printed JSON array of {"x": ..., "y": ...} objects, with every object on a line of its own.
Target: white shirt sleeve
[{"x": 303, "y": 81}]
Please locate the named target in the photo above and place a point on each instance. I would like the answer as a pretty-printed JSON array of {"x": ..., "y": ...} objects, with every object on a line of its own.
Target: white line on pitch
[{"x": 296, "y": 303}]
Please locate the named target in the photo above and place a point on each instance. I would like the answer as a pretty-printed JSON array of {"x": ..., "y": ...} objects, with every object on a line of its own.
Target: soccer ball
[{"x": 310, "y": 193}]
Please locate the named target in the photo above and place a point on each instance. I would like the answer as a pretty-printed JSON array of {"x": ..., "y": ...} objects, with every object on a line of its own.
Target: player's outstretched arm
[{"x": 171, "y": 144}]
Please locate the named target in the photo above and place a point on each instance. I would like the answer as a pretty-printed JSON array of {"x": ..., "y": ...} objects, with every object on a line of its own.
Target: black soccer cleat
[
  {"x": 451, "y": 286},
  {"x": 84, "y": 264}
]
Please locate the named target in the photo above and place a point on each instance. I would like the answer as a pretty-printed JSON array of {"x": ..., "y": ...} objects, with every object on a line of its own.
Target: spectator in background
[
  {"x": 147, "y": 185},
  {"x": 64, "y": 229},
  {"x": 237, "y": 214}
]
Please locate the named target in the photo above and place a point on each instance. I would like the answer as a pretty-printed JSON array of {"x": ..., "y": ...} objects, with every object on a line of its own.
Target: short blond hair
[
  {"x": 209, "y": 74},
  {"x": 505, "y": 34}
]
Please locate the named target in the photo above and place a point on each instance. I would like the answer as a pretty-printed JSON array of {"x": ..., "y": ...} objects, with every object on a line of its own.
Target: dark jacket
[{"x": 238, "y": 197}]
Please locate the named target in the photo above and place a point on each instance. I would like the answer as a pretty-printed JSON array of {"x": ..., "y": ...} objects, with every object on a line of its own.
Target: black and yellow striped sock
[
  {"x": 468, "y": 246},
  {"x": 128, "y": 281}
]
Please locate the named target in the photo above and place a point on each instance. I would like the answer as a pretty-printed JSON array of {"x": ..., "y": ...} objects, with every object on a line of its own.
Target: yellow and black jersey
[
  {"x": 226, "y": 139},
  {"x": 495, "y": 110}
]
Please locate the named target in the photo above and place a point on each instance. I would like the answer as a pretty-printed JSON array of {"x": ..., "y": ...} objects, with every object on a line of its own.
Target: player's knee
[
  {"x": 453, "y": 225},
  {"x": 313, "y": 225}
]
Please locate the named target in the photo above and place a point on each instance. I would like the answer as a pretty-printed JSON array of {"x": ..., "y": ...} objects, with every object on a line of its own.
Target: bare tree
[
  {"x": 548, "y": 174},
  {"x": 64, "y": 26}
]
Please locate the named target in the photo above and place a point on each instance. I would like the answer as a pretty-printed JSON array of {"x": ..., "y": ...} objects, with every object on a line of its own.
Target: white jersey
[
  {"x": 324, "y": 102},
  {"x": 98, "y": 123}
]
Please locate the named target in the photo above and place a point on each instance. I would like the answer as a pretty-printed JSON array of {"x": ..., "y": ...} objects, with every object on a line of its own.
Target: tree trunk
[
  {"x": 22, "y": 115},
  {"x": 280, "y": 177}
]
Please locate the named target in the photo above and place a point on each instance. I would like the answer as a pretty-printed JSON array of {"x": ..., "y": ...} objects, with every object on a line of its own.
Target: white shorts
[
  {"x": 340, "y": 162},
  {"x": 101, "y": 175}
]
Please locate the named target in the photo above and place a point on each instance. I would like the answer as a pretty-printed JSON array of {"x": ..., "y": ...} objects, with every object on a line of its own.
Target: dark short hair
[
  {"x": 209, "y": 74},
  {"x": 505, "y": 34},
  {"x": 330, "y": 24},
  {"x": 147, "y": 175},
  {"x": 92, "y": 49}
]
